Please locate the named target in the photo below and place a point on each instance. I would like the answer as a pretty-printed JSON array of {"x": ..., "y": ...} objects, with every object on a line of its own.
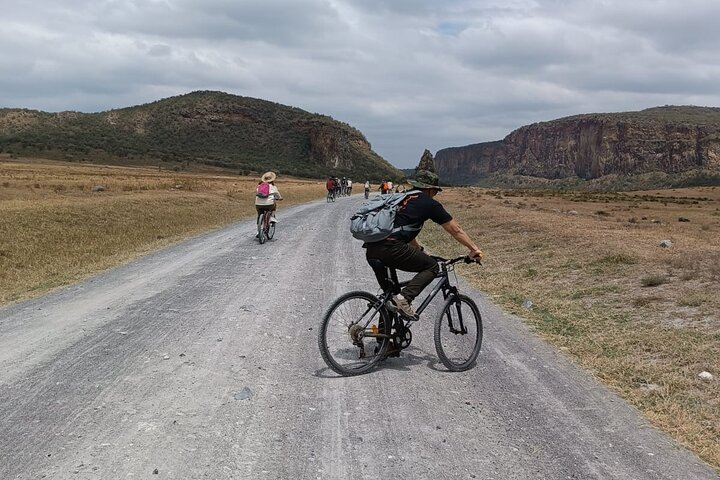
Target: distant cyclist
[
  {"x": 384, "y": 187},
  {"x": 367, "y": 188},
  {"x": 331, "y": 185},
  {"x": 349, "y": 186},
  {"x": 401, "y": 249},
  {"x": 266, "y": 197}
]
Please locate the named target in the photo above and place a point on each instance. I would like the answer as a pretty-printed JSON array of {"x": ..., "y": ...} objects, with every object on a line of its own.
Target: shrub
[{"x": 653, "y": 280}]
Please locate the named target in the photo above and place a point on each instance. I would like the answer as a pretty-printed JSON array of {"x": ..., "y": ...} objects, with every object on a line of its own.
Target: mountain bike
[
  {"x": 367, "y": 193},
  {"x": 359, "y": 330},
  {"x": 330, "y": 196},
  {"x": 266, "y": 228}
]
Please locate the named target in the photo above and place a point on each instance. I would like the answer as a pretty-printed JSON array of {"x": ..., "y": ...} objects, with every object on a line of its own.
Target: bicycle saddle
[{"x": 376, "y": 263}]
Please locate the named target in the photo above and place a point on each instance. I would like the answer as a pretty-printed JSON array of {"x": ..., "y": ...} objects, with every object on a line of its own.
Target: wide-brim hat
[
  {"x": 425, "y": 179},
  {"x": 268, "y": 177}
]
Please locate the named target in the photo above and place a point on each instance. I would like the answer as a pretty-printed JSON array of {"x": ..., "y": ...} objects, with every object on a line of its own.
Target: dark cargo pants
[{"x": 406, "y": 258}]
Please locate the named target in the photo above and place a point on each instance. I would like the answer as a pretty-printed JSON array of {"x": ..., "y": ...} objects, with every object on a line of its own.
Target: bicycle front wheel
[
  {"x": 351, "y": 337},
  {"x": 458, "y": 333}
]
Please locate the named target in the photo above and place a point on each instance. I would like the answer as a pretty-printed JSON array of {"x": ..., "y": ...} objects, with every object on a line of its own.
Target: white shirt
[{"x": 270, "y": 200}]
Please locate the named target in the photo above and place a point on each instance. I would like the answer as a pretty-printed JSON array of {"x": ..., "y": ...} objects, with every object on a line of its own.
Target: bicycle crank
[{"x": 403, "y": 339}]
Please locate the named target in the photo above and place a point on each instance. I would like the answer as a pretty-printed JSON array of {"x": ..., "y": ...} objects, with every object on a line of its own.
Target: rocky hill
[
  {"x": 212, "y": 128},
  {"x": 660, "y": 144}
]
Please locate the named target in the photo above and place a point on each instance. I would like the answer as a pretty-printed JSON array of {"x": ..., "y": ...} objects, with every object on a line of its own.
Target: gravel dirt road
[{"x": 201, "y": 361}]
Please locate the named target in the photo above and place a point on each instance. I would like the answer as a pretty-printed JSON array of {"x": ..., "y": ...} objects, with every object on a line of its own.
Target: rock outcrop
[
  {"x": 427, "y": 162},
  {"x": 664, "y": 139}
]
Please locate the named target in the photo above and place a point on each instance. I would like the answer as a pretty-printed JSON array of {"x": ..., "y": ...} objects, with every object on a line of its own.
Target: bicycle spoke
[{"x": 348, "y": 341}]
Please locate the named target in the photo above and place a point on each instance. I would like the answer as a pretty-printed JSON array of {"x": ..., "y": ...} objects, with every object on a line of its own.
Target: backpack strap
[{"x": 409, "y": 195}]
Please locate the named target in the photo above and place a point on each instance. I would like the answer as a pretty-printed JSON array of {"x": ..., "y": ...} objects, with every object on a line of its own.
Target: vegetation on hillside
[{"x": 210, "y": 128}]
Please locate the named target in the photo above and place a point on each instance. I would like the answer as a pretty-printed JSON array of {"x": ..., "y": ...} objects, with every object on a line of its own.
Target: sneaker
[
  {"x": 273, "y": 219},
  {"x": 399, "y": 304}
]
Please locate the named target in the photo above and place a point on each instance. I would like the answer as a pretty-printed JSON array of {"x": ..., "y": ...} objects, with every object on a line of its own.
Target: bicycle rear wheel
[
  {"x": 261, "y": 229},
  {"x": 458, "y": 333},
  {"x": 271, "y": 231},
  {"x": 347, "y": 338}
]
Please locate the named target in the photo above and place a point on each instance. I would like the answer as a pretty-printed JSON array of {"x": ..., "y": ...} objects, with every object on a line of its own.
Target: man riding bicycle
[
  {"x": 401, "y": 249},
  {"x": 331, "y": 185}
]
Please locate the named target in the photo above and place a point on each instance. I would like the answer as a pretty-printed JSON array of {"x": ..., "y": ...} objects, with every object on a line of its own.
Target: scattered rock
[
  {"x": 572, "y": 212},
  {"x": 666, "y": 243},
  {"x": 98, "y": 188},
  {"x": 707, "y": 376},
  {"x": 166, "y": 357},
  {"x": 683, "y": 219},
  {"x": 527, "y": 304},
  {"x": 655, "y": 221},
  {"x": 649, "y": 386},
  {"x": 244, "y": 394},
  {"x": 156, "y": 471}
]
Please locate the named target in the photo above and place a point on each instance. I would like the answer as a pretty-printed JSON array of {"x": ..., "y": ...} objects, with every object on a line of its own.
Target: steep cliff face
[{"x": 666, "y": 139}]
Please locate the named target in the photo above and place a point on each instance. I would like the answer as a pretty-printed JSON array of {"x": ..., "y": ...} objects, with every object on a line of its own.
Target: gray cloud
[{"x": 411, "y": 74}]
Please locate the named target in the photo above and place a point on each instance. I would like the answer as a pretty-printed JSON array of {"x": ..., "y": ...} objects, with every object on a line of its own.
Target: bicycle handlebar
[{"x": 464, "y": 258}]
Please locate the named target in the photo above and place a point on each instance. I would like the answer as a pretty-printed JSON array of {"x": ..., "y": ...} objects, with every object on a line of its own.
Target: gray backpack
[{"x": 375, "y": 220}]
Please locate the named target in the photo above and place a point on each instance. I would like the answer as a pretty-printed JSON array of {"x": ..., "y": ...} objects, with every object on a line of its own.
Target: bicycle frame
[{"x": 394, "y": 287}]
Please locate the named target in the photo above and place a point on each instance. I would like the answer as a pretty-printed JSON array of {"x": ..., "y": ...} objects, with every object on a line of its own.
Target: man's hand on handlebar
[{"x": 476, "y": 255}]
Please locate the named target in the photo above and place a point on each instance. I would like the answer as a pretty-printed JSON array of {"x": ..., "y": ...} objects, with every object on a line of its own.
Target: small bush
[
  {"x": 616, "y": 259},
  {"x": 645, "y": 301},
  {"x": 653, "y": 280}
]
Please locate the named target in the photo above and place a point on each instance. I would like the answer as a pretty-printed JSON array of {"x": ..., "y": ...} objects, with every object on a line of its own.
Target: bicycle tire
[
  {"x": 261, "y": 230},
  {"x": 335, "y": 341},
  {"x": 458, "y": 353},
  {"x": 271, "y": 231}
]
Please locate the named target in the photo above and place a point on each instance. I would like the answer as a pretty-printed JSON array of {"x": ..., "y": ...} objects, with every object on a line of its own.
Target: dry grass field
[
  {"x": 642, "y": 318},
  {"x": 54, "y": 229}
]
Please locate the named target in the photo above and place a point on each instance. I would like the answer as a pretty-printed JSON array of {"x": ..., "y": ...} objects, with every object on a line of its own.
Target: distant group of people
[
  {"x": 343, "y": 186},
  {"x": 338, "y": 186},
  {"x": 387, "y": 187}
]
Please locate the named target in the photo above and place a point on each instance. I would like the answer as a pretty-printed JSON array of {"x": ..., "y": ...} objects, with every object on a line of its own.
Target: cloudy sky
[{"x": 410, "y": 74}]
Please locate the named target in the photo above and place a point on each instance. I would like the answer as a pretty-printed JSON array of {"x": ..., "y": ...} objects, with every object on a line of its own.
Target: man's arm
[{"x": 454, "y": 229}]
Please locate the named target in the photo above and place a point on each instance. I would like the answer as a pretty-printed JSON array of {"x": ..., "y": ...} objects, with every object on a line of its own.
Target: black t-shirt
[{"x": 417, "y": 208}]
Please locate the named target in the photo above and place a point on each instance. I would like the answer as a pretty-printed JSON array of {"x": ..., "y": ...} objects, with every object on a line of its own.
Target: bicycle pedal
[{"x": 391, "y": 306}]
